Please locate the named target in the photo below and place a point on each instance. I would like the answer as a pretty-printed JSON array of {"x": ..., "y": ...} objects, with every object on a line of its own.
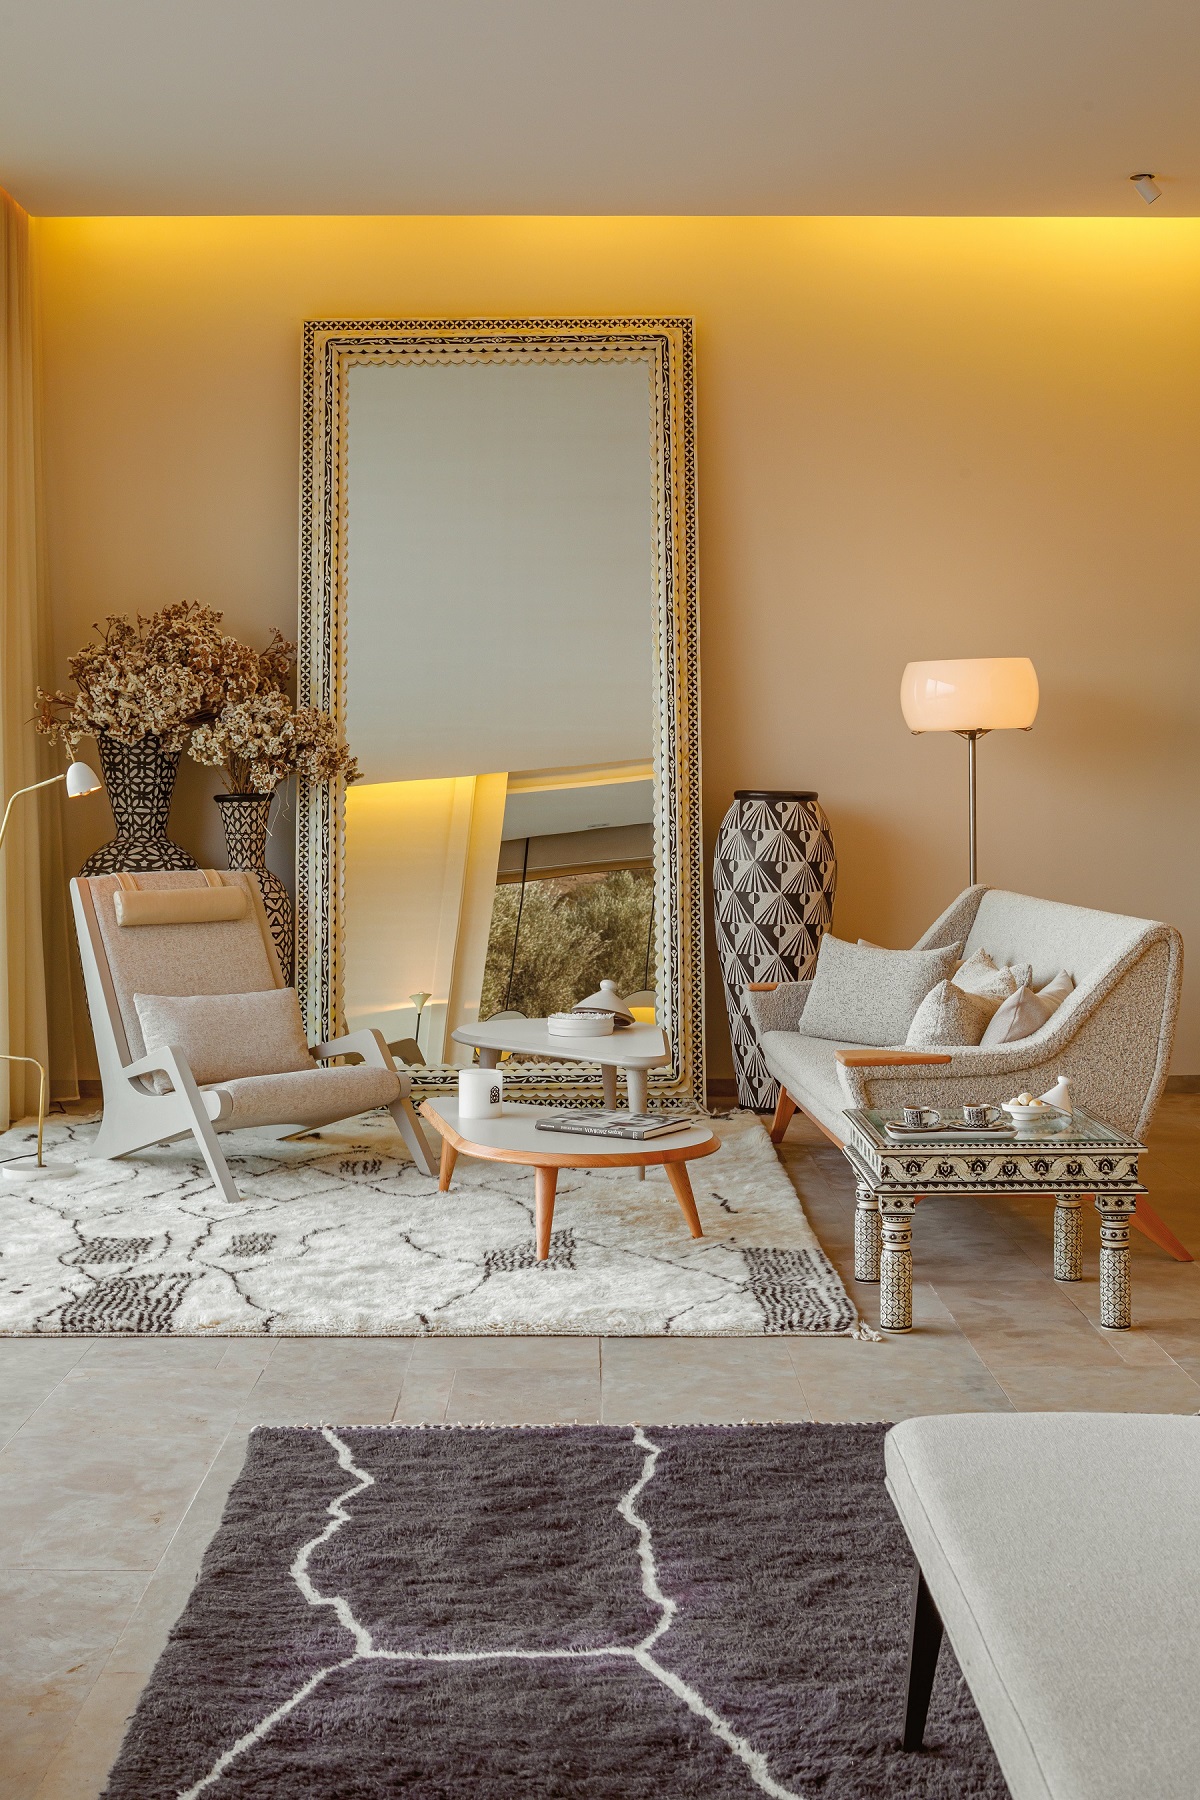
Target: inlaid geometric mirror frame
[{"x": 331, "y": 348}]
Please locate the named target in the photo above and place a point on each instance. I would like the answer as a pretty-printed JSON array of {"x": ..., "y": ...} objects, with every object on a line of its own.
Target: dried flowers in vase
[{"x": 257, "y": 742}]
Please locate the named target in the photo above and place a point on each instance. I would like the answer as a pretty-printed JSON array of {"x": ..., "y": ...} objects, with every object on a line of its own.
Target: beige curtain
[{"x": 32, "y": 887}]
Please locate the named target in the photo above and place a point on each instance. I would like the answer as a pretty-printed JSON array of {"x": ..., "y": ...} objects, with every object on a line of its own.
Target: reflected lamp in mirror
[{"x": 970, "y": 696}]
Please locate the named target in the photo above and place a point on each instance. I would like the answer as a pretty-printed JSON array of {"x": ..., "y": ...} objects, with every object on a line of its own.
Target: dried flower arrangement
[
  {"x": 177, "y": 677},
  {"x": 159, "y": 677},
  {"x": 257, "y": 742}
]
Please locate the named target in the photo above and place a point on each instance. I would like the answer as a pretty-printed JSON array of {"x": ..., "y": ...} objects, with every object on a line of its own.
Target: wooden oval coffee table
[{"x": 514, "y": 1138}]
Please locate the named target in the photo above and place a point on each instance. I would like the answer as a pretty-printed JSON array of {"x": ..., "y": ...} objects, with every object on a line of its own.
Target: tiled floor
[{"x": 117, "y": 1455}]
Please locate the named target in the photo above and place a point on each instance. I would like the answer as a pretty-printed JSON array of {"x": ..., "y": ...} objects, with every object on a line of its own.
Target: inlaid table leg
[
  {"x": 1068, "y": 1237},
  {"x": 895, "y": 1264},
  {"x": 677, "y": 1175},
  {"x": 1116, "y": 1211},
  {"x": 866, "y": 1234},
  {"x": 546, "y": 1181},
  {"x": 449, "y": 1158}
]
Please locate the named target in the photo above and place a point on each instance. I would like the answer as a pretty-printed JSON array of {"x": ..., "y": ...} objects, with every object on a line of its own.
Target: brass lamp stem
[
  {"x": 32, "y": 788},
  {"x": 5, "y": 1057},
  {"x": 972, "y": 738}
]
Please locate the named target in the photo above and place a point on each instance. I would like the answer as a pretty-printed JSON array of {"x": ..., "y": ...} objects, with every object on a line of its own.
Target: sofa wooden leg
[
  {"x": 785, "y": 1106},
  {"x": 1148, "y": 1221},
  {"x": 924, "y": 1646}
]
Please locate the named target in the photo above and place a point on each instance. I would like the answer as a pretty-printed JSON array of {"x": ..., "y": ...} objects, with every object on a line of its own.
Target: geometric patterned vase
[
  {"x": 140, "y": 779},
  {"x": 244, "y": 822},
  {"x": 774, "y": 879}
]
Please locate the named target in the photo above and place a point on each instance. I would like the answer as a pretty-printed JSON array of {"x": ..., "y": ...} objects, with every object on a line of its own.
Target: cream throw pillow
[
  {"x": 990, "y": 981},
  {"x": 1026, "y": 1012},
  {"x": 226, "y": 1036},
  {"x": 948, "y": 1016}
]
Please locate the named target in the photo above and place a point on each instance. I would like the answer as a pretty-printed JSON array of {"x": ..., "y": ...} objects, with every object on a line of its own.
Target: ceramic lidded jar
[{"x": 608, "y": 1000}]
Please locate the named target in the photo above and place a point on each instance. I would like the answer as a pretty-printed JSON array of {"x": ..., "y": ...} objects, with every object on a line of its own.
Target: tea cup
[
  {"x": 917, "y": 1116},
  {"x": 981, "y": 1112}
]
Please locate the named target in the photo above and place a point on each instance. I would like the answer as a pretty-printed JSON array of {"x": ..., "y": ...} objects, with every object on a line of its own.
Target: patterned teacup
[
  {"x": 981, "y": 1112},
  {"x": 918, "y": 1116}
]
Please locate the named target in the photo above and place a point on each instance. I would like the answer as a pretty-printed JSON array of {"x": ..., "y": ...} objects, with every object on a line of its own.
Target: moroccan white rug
[{"x": 341, "y": 1235}]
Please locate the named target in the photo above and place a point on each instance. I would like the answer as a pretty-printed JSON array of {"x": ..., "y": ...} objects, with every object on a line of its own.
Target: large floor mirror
[{"x": 498, "y": 604}]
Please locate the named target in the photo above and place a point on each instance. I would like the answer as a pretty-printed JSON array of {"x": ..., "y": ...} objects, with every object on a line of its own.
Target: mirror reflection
[{"x": 500, "y": 694}]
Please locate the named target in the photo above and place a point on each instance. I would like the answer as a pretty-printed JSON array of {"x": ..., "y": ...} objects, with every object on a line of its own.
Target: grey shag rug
[
  {"x": 552, "y": 1613},
  {"x": 341, "y": 1235}
]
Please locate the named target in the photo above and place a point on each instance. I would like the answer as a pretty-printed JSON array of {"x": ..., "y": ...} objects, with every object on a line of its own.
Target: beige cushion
[
  {"x": 180, "y": 906},
  {"x": 808, "y": 1068},
  {"x": 866, "y": 996},
  {"x": 1062, "y": 1553},
  {"x": 948, "y": 1016},
  {"x": 308, "y": 1097},
  {"x": 226, "y": 1036},
  {"x": 1026, "y": 1012},
  {"x": 981, "y": 976}
]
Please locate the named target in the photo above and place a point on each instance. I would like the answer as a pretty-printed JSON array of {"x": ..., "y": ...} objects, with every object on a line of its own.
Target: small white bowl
[
  {"x": 1031, "y": 1115},
  {"x": 580, "y": 1025}
]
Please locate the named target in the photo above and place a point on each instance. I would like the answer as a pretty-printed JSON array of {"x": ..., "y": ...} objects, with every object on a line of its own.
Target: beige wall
[{"x": 917, "y": 438}]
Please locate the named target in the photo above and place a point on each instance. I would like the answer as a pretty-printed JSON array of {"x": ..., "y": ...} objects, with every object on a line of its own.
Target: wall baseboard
[{"x": 1183, "y": 1084}]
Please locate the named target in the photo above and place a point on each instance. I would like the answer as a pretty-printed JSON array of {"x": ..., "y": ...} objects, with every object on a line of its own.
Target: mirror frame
[{"x": 331, "y": 348}]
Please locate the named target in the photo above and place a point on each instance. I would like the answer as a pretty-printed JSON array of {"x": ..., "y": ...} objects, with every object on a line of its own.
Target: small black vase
[
  {"x": 244, "y": 822},
  {"x": 140, "y": 779}
]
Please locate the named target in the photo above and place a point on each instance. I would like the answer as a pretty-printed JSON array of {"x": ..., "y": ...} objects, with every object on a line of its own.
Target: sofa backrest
[{"x": 1052, "y": 936}]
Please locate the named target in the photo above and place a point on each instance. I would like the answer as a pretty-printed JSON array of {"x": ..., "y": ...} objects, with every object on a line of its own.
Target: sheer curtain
[{"x": 33, "y": 930}]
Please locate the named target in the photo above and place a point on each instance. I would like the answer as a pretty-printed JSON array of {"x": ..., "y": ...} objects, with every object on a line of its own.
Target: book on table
[{"x": 638, "y": 1126}]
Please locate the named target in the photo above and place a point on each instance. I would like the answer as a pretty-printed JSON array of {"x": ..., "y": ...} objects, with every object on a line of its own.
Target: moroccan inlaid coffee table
[
  {"x": 1068, "y": 1161},
  {"x": 514, "y": 1138}
]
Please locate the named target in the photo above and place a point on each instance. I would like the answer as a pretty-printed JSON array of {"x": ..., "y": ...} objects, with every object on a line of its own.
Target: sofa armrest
[
  {"x": 776, "y": 1006},
  {"x": 889, "y": 1059}
]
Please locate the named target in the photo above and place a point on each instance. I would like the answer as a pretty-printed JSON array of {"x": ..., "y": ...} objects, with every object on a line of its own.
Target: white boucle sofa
[
  {"x": 1059, "y": 1551},
  {"x": 1112, "y": 1035}
]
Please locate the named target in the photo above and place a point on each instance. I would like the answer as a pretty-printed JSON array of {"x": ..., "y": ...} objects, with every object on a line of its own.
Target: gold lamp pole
[{"x": 79, "y": 780}]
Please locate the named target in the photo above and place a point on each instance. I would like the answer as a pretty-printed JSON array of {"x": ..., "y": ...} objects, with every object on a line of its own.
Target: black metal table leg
[{"x": 922, "y": 1662}]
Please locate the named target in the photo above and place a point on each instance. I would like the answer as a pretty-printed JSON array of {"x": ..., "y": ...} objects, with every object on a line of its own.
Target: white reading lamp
[
  {"x": 973, "y": 696},
  {"x": 80, "y": 780}
]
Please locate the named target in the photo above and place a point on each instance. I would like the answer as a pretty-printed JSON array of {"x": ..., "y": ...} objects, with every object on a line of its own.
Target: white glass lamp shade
[
  {"x": 978, "y": 693},
  {"x": 82, "y": 780}
]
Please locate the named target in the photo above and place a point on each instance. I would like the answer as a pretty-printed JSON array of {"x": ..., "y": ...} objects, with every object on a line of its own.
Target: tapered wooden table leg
[
  {"x": 547, "y": 1181},
  {"x": 449, "y": 1158},
  {"x": 677, "y": 1175}
]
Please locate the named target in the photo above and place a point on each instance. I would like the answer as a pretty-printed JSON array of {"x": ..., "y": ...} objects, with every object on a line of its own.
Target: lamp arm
[
  {"x": 32, "y": 788},
  {"x": 5, "y": 1057}
]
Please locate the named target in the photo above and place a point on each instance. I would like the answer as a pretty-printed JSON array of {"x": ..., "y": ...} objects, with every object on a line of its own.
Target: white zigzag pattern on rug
[{"x": 366, "y": 1650}]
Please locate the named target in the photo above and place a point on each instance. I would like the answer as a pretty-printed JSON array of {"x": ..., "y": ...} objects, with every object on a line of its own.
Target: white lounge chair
[{"x": 211, "y": 957}]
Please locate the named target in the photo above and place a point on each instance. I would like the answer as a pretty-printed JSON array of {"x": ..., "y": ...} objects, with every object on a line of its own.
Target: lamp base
[{"x": 28, "y": 1168}]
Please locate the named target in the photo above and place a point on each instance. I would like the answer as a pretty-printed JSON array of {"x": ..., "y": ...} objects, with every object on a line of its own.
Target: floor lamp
[
  {"x": 971, "y": 697},
  {"x": 79, "y": 780}
]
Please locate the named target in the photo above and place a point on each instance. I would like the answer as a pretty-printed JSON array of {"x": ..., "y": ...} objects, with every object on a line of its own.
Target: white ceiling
[{"x": 599, "y": 106}]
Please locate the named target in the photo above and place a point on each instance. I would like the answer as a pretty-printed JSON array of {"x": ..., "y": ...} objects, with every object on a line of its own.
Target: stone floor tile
[
  {"x": 508, "y": 1397},
  {"x": 562, "y": 1355},
  {"x": 424, "y": 1397},
  {"x": 79, "y": 1769},
  {"x": 1152, "y": 1390},
  {"x": 698, "y": 1380}
]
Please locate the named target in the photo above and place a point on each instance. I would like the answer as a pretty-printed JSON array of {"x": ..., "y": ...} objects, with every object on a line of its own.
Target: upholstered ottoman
[{"x": 1062, "y": 1553}]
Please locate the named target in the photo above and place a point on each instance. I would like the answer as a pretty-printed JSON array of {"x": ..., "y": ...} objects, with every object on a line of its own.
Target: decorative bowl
[
  {"x": 580, "y": 1024},
  {"x": 1036, "y": 1114}
]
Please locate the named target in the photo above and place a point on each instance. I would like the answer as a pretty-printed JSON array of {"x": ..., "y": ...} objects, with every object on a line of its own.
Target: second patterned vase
[
  {"x": 774, "y": 878},
  {"x": 244, "y": 822}
]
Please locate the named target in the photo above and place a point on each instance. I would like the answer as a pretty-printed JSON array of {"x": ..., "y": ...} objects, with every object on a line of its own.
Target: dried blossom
[
  {"x": 161, "y": 676},
  {"x": 258, "y": 742}
]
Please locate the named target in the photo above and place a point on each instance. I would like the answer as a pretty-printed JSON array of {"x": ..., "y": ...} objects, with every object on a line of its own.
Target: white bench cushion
[{"x": 1063, "y": 1553}]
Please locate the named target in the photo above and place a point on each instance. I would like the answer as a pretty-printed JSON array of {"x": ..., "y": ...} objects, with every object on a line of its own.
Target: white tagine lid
[{"x": 607, "y": 1000}]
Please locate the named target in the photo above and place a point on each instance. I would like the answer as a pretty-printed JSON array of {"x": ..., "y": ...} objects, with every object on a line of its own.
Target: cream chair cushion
[
  {"x": 307, "y": 1097},
  {"x": 226, "y": 1036},
  {"x": 979, "y": 975}
]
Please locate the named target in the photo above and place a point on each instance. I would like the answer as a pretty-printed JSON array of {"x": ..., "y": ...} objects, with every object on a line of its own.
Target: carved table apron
[{"x": 1077, "y": 1159}]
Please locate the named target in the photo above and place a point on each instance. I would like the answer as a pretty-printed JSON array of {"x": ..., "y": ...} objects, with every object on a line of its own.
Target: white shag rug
[{"x": 341, "y": 1235}]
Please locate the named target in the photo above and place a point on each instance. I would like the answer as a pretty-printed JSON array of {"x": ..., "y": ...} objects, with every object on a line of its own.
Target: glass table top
[{"x": 1081, "y": 1129}]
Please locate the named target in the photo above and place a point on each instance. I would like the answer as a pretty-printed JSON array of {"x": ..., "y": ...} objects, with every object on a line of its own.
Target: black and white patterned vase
[
  {"x": 774, "y": 878},
  {"x": 244, "y": 821},
  {"x": 140, "y": 779}
]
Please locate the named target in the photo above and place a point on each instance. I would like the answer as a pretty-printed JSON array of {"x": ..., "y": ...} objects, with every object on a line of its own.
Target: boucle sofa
[{"x": 1112, "y": 1035}]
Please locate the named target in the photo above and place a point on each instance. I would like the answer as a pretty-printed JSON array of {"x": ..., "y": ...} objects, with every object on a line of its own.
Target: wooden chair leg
[
  {"x": 680, "y": 1181},
  {"x": 449, "y": 1158},
  {"x": 546, "y": 1180},
  {"x": 785, "y": 1106},
  {"x": 925, "y": 1643},
  {"x": 1148, "y": 1221}
]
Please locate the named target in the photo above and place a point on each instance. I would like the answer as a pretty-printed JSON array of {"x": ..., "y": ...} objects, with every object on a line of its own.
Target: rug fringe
[{"x": 867, "y": 1333}]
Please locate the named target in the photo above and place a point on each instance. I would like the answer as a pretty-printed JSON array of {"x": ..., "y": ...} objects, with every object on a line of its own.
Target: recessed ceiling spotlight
[{"x": 1147, "y": 187}]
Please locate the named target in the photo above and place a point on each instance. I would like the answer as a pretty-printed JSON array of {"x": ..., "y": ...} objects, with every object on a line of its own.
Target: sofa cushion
[
  {"x": 226, "y": 1036},
  {"x": 949, "y": 1016},
  {"x": 1061, "y": 1551},
  {"x": 980, "y": 975},
  {"x": 808, "y": 1069},
  {"x": 1025, "y": 1012},
  {"x": 866, "y": 996},
  {"x": 306, "y": 1097}
]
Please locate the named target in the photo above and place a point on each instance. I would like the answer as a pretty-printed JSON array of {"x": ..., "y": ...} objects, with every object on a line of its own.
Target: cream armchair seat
[
  {"x": 1112, "y": 1035},
  {"x": 211, "y": 957}
]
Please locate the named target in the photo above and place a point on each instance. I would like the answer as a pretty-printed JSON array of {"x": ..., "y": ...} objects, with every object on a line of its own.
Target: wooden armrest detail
[
  {"x": 762, "y": 987},
  {"x": 889, "y": 1059}
]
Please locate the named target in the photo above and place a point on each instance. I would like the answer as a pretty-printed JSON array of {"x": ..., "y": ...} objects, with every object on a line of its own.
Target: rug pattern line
[{"x": 366, "y": 1650}]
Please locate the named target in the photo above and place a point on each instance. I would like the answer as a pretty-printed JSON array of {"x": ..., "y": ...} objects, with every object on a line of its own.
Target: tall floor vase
[
  {"x": 774, "y": 878},
  {"x": 244, "y": 821},
  {"x": 140, "y": 779}
]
